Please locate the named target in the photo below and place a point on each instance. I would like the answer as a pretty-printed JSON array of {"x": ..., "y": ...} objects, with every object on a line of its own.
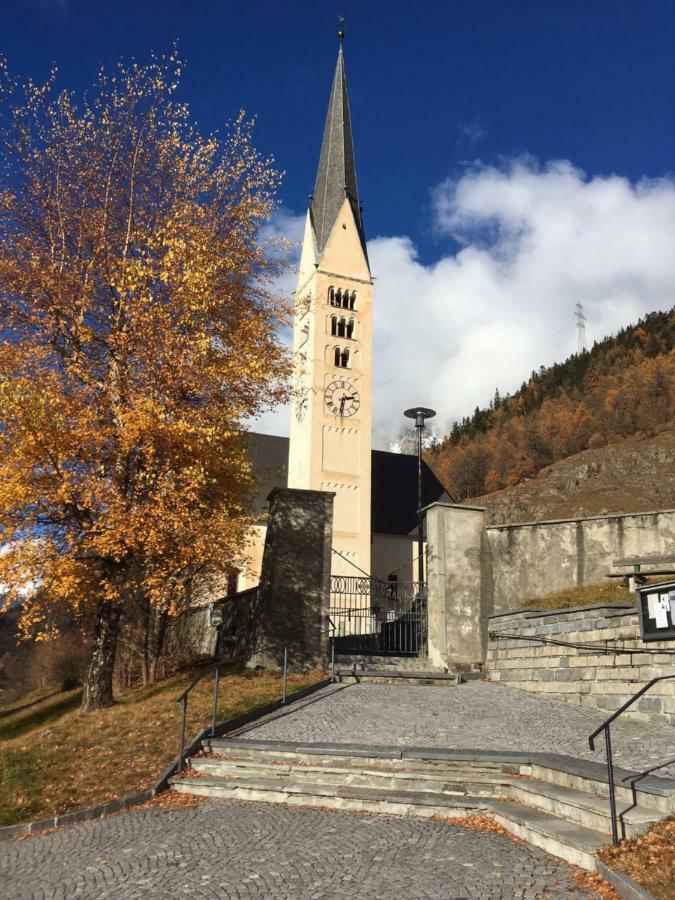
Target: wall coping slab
[{"x": 653, "y": 512}]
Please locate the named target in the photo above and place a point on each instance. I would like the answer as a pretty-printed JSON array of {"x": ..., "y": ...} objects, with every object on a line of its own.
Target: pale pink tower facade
[{"x": 330, "y": 438}]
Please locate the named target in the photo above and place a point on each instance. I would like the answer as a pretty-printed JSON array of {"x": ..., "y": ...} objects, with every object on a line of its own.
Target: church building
[{"x": 329, "y": 449}]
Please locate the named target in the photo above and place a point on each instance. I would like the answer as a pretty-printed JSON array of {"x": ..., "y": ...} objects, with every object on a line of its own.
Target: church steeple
[
  {"x": 336, "y": 177},
  {"x": 330, "y": 442}
]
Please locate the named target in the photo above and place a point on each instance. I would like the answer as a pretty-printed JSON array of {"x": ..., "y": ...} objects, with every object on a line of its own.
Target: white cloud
[
  {"x": 470, "y": 133},
  {"x": 533, "y": 240}
]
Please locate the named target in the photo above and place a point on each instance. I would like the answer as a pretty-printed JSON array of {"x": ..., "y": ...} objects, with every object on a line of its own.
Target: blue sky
[
  {"x": 432, "y": 85},
  {"x": 496, "y": 142}
]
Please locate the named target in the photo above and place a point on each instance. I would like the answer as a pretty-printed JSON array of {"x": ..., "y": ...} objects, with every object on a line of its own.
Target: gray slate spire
[{"x": 336, "y": 177}]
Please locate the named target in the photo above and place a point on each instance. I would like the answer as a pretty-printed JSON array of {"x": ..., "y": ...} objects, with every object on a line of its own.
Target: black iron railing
[
  {"x": 378, "y": 617},
  {"x": 353, "y": 590},
  {"x": 608, "y": 750}
]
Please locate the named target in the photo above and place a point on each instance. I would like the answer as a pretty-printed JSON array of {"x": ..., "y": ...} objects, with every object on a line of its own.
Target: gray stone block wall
[
  {"x": 294, "y": 590},
  {"x": 586, "y": 676}
]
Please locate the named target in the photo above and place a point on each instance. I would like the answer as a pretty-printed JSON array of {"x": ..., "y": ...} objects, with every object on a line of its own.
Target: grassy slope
[
  {"x": 54, "y": 759},
  {"x": 609, "y": 591}
]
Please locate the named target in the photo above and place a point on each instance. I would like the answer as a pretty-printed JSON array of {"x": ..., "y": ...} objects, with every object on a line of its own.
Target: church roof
[
  {"x": 336, "y": 177},
  {"x": 394, "y": 492},
  {"x": 393, "y": 478}
]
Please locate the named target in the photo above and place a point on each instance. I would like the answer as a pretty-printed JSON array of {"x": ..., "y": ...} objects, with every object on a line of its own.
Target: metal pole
[
  {"x": 216, "y": 688},
  {"x": 332, "y": 660},
  {"x": 419, "y": 414},
  {"x": 420, "y": 540},
  {"x": 283, "y": 699},
  {"x": 612, "y": 793},
  {"x": 181, "y": 748}
]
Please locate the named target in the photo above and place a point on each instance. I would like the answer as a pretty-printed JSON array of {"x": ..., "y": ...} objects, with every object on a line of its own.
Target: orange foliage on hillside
[{"x": 624, "y": 386}]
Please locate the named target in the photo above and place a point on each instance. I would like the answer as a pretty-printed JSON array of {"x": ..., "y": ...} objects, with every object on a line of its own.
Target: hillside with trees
[{"x": 622, "y": 388}]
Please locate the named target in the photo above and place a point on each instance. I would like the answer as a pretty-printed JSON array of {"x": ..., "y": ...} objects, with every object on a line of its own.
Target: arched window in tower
[
  {"x": 341, "y": 358},
  {"x": 352, "y": 300},
  {"x": 350, "y": 328},
  {"x": 333, "y": 325},
  {"x": 331, "y": 296},
  {"x": 338, "y": 297},
  {"x": 342, "y": 327}
]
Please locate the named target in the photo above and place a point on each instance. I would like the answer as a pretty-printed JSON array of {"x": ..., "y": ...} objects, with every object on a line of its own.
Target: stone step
[
  {"x": 646, "y": 791},
  {"x": 397, "y": 676},
  {"x": 578, "y": 806},
  {"x": 274, "y": 790},
  {"x": 402, "y": 663},
  {"x": 650, "y": 792},
  {"x": 567, "y": 840},
  {"x": 445, "y": 783},
  {"x": 356, "y": 759},
  {"x": 582, "y": 807}
]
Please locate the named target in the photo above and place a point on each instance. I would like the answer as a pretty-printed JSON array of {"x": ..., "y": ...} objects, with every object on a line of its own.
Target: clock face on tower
[{"x": 342, "y": 398}]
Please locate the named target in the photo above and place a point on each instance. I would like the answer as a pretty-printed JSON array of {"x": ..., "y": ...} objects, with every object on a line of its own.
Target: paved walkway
[
  {"x": 247, "y": 850},
  {"x": 474, "y": 716}
]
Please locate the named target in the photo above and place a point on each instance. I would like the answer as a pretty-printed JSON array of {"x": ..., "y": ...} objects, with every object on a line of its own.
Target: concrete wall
[
  {"x": 587, "y": 677},
  {"x": 532, "y": 560},
  {"x": 457, "y": 584},
  {"x": 251, "y": 562},
  {"x": 393, "y": 553}
]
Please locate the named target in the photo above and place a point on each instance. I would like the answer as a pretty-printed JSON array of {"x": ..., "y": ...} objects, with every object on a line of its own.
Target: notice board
[{"x": 656, "y": 605}]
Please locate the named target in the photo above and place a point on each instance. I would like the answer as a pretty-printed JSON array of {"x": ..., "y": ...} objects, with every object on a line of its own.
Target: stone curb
[
  {"x": 8, "y": 832},
  {"x": 81, "y": 815},
  {"x": 622, "y": 884}
]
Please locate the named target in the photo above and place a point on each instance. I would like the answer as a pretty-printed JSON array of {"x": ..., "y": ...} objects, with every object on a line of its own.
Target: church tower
[{"x": 330, "y": 438}]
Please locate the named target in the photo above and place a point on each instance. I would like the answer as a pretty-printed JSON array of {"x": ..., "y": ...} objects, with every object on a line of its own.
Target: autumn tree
[{"x": 139, "y": 333}]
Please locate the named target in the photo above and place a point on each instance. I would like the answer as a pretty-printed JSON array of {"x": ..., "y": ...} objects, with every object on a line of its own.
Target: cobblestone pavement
[
  {"x": 475, "y": 716},
  {"x": 247, "y": 850}
]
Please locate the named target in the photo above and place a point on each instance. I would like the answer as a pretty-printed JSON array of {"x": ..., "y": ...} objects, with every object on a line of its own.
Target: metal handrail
[
  {"x": 332, "y": 647},
  {"x": 183, "y": 698},
  {"x": 608, "y": 749},
  {"x": 595, "y": 648}
]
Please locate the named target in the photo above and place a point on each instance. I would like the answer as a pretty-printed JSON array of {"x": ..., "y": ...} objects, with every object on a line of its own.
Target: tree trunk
[
  {"x": 98, "y": 684},
  {"x": 162, "y": 622}
]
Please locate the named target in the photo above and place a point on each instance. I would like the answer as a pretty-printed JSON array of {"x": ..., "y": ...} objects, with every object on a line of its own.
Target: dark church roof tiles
[{"x": 393, "y": 478}]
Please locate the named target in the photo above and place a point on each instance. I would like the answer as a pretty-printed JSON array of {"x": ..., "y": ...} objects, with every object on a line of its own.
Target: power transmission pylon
[{"x": 580, "y": 316}]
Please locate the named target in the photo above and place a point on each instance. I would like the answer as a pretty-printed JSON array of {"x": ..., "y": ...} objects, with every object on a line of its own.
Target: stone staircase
[
  {"x": 554, "y": 802},
  {"x": 394, "y": 670}
]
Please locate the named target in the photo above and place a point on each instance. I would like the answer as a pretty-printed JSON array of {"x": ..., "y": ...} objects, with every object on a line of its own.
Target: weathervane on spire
[{"x": 341, "y": 27}]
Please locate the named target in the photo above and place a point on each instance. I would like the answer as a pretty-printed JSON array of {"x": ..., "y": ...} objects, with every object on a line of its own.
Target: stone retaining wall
[
  {"x": 585, "y": 677},
  {"x": 530, "y": 560}
]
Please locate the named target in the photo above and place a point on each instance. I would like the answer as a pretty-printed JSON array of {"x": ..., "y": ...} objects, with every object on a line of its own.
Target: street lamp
[{"x": 419, "y": 414}]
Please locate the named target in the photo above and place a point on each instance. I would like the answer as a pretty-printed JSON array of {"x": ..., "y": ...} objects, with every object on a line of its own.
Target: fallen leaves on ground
[
  {"x": 595, "y": 884},
  {"x": 648, "y": 859}
]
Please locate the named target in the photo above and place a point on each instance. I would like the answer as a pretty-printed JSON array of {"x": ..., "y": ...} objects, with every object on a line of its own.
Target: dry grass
[
  {"x": 609, "y": 591},
  {"x": 648, "y": 859},
  {"x": 54, "y": 759}
]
